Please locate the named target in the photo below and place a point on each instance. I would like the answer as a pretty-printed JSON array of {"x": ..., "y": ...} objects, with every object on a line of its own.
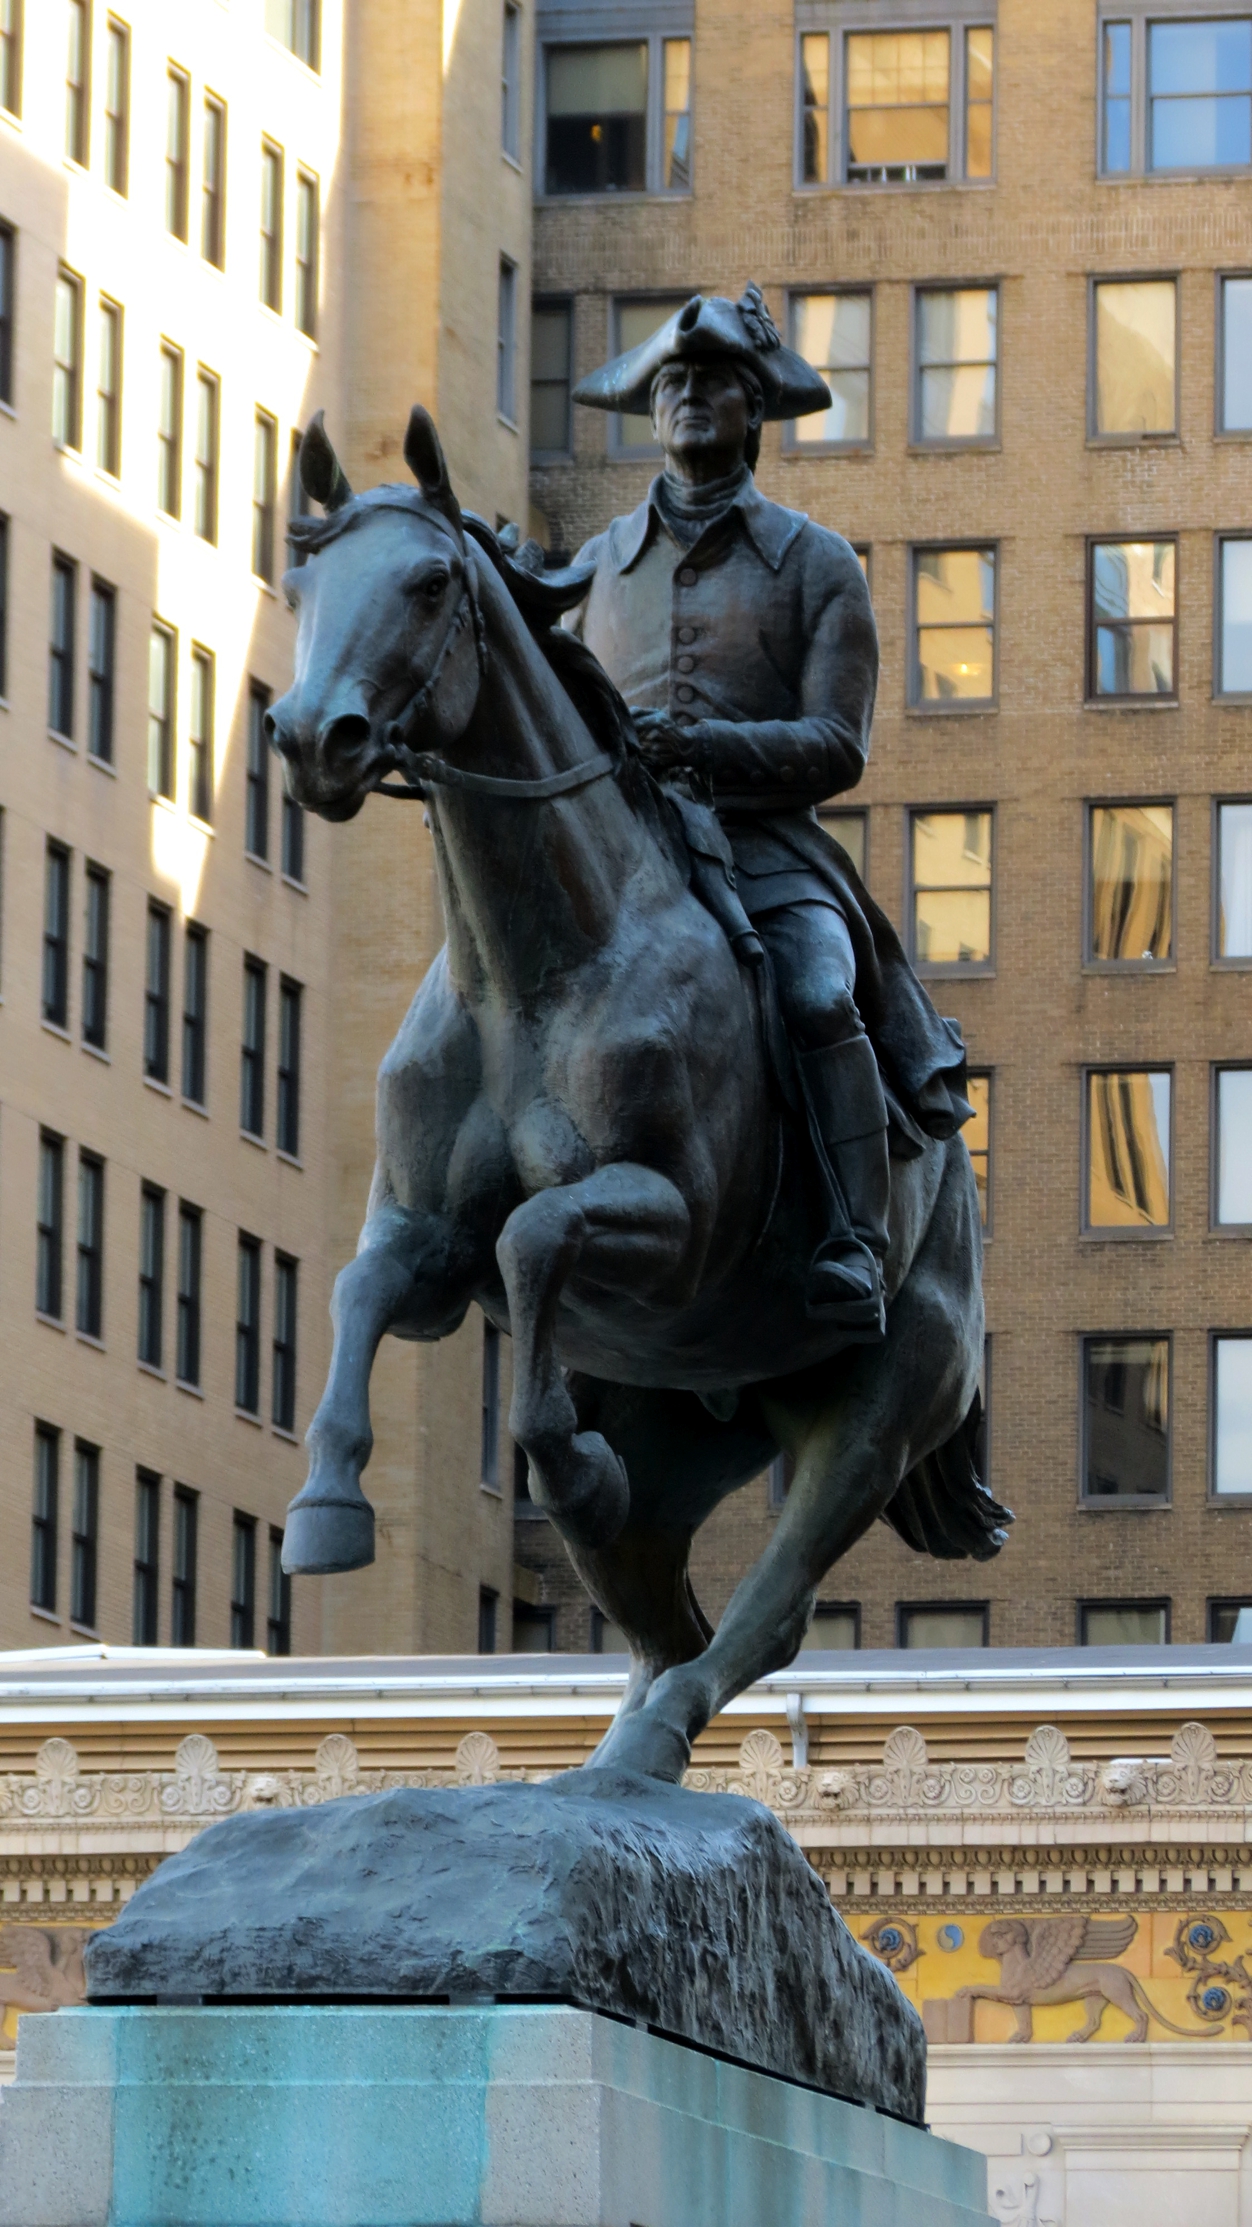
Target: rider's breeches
[{"x": 815, "y": 969}]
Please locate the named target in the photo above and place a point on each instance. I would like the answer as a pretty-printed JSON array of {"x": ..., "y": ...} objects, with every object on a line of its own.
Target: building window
[
  {"x": 170, "y": 432},
  {"x": 977, "y": 1135},
  {"x": 248, "y": 1326},
  {"x": 85, "y": 1535},
  {"x": 1132, "y": 622},
  {"x": 1126, "y": 1437},
  {"x": 89, "y": 1283},
  {"x": 208, "y": 420},
  {"x": 243, "y": 1581},
  {"x": 534, "y": 1629},
  {"x": 264, "y": 494},
  {"x": 551, "y": 378},
  {"x": 779, "y": 1479},
  {"x": 1128, "y": 1150},
  {"x": 117, "y": 105},
  {"x": 151, "y": 1275},
  {"x": 162, "y": 661},
  {"x": 634, "y": 322},
  {"x": 676, "y": 138},
  {"x": 1230, "y": 1405},
  {"x": 1123, "y": 1623},
  {"x": 177, "y": 150},
  {"x": 597, "y": 119},
  {"x": 951, "y": 884},
  {"x": 488, "y": 1606},
  {"x": 1234, "y": 364},
  {"x": 289, "y": 1017},
  {"x": 850, "y": 830},
  {"x": 67, "y": 361},
  {"x": 256, "y": 836},
  {"x": 834, "y": 332},
  {"x": 1232, "y": 937},
  {"x": 293, "y": 840},
  {"x": 1134, "y": 359},
  {"x": 11, "y": 56},
  {"x": 183, "y": 1587},
  {"x": 307, "y": 229},
  {"x": 511, "y": 82},
  {"x": 43, "y": 1526},
  {"x": 156, "y": 995},
  {"x": 196, "y": 1014},
  {"x": 941, "y": 1624},
  {"x": 56, "y": 936},
  {"x": 954, "y": 394},
  {"x": 190, "y": 1245},
  {"x": 109, "y": 390},
  {"x": 61, "y": 647},
  {"x": 298, "y": 24},
  {"x": 954, "y": 627},
  {"x": 1234, "y": 623},
  {"x": 200, "y": 734},
  {"x": 271, "y": 272},
  {"x": 1115, "y": 129},
  {"x": 1232, "y": 1148},
  {"x": 979, "y": 100},
  {"x": 506, "y": 342},
  {"x": 815, "y": 150},
  {"x": 833, "y": 1625},
  {"x": 77, "y": 81},
  {"x": 147, "y": 1558},
  {"x": 918, "y": 106},
  {"x": 278, "y": 1619},
  {"x": 213, "y": 184},
  {"x": 252, "y": 1061},
  {"x": 1130, "y": 885},
  {"x": 286, "y": 1315},
  {"x": 8, "y": 305},
  {"x": 4, "y": 605},
  {"x": 50, "y": 1226},
  {"x": 1230, "y": 1623},
  {"x": 489, "y": 1453},
  {"x": 96, "y": 956},
  {"x": 1177, "y": 95}
]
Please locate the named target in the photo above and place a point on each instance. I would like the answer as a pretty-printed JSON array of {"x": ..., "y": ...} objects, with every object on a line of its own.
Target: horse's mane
[{"x": 541, "y": 597}]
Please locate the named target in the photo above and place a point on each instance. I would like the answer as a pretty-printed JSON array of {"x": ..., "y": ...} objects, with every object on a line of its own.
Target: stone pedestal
[{"x": 402, "y": 2116}]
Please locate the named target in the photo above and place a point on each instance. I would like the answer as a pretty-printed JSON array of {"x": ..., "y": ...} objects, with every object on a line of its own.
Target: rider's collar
[{"x": 769, "y": 528}]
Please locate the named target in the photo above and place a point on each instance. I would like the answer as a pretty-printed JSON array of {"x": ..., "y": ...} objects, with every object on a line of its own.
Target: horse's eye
[{"x": 433, "y": 588}]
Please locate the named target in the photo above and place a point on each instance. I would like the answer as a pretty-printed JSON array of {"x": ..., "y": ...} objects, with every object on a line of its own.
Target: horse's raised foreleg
[
  {"x": 399, "y": 1281},
  {"x": 624, "y": 1228}
]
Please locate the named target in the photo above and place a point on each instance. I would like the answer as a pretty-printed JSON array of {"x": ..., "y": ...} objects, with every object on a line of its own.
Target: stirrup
[{"x": 844, "y": 1287}]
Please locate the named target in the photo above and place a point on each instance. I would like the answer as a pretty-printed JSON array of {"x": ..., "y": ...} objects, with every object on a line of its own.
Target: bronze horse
[{"x": 580, "y": 1129}]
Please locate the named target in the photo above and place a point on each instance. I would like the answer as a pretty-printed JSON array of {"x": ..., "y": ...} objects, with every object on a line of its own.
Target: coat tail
[{"x": 943, "y": 1507}]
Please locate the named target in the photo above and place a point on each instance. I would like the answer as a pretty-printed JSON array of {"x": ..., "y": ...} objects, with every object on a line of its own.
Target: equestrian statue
[{"x": 670, "y": 1106}]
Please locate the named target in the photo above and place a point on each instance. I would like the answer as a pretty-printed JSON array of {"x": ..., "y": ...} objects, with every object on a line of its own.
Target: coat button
[
  {"x": 688, "y": 576},
  {"x": 686, "y": 664},
  {"x": 685, "y": 695},
  {"x": 788, "y": 773},
  {"x": 686, "y": 633}
]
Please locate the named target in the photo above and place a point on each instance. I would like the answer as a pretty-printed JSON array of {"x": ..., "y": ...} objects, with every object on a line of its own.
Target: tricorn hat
[{"x": 710, "y": 326}]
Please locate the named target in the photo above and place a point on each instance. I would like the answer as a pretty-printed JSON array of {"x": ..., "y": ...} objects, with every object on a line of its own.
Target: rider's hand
[{"x": 662, "y": 743}]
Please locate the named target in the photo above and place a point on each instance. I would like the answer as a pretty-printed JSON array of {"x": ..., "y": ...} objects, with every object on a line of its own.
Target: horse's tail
[{"x": 944, "y": 1508}]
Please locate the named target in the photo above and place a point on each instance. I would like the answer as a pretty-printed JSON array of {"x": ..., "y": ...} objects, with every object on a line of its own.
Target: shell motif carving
[
  {"x": 477, "y": 1760},
  {"x": 198, "y": 1788},
  {"x": 1051, "y": 1778},
  {"x": 336, "y": 1767},
  {"x": 58, "y": 1788}
]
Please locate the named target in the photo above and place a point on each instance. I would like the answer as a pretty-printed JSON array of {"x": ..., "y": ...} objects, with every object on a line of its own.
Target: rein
[{"x": 436, "y": 772}]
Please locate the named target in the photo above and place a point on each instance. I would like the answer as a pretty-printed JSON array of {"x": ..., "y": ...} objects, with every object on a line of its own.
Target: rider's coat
[{"x": 760, "y": 637}]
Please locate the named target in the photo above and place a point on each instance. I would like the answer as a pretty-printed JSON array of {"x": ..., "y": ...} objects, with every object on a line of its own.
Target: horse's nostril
[{"x": 350, "y": 731}]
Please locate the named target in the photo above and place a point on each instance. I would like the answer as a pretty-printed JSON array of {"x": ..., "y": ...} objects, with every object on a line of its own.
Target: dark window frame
[
  {"x": 1167, "y": 699},
  {"x": 506, "y": 341},
  {"x": 290, "y": 1064},
  {"x": 202, "y": 747},
  {"x": 183, "y": 1572},
  {"x": 117, "y": 119},
  {"x": 248, "y": 1326},
  {"x": 488, "y": 1612},
  {"x": 655, "y": 41},
  {"x": 195, "y": 1045},
  {"x": 89, "y": 1250},
  {"x": 956, "y": 707},
  {"x": 954, "y": 970},
  {"x": 45, "y": 1513},
  {"x": 97, "y": 911},
  {"x": 206, "y": 468},
  {"x": 1212, "y": 1608},
  {"x": 4, "y": 606},
  {"x": 101, "y": 670},
  {"x": 292, "y": 837},
  {"x": 77, "y": 143},
  {"x": 158, "y": 992},
  {"x": 1213, "y": 1498},
  {"x": 253, "y": 1046},
  {"x": 256, "y": 820},
  {"x": 958, "y": 21},
  {"x": 1090, "y": 964},
  {"x": 146, "y": 1562},
  {"x": 838, "y": 1608},
  {"x": 306, "y": 269},
  {"x": 264, "y": 502},
  {"x": 63, "y": 647},
  {"x": 1099, "y": 1233},
  {"x": 1101, "y": 1504},
  {"x": 50, "y": 1229},
  {"x": 69, "y": 368},
  {"x": 11, "y": 58},
  {"x": 511, "y": 82},
  {"x": 489, "y": 1435},
  {"x": 1218, "y": 1068},
  {"x": 111, "y": 321},
  {"x": 189, "y": 1297},
  {"x": 243, "y": 1532},
  {"x": 150, "y": 1340},
  {"x": 213, "y": 182},
  {"x": 162, "y": 723},
  {"x": 177, "y": 153},
  {"x": 1237, "y": 962},
  {"x": 8, "y": 308},
  {"x": 285, "y": 1343},
  {"x": 1083, "y": 1606},
  {"x": 949, "y": 445},
  {"x": 535, "y": 1612},
  {"x": 947, "y": 1606},
  {"x": 1137, "y": 15},
  {"x": 172, "y": 362},
  {"x": 54, "y": 982},
  {"x": 85, "y": 1536},
  {"x": 273, "y": 178},
  {"x": 549, "y": 305},
  {"x": 278, "y": 1599},
  {"x": 988, "y": 1075},
  {"x": 1096, "y": 439}
]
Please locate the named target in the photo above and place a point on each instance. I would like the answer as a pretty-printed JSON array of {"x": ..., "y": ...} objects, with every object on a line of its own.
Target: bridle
[{"x": 435, "y": 772}]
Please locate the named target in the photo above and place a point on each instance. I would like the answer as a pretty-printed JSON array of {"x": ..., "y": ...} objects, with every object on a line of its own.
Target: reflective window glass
[
  {"x": 1135, "y": 357},
  {"x": 815, "y": 103},
  {"x": 1128, "y": 1151},
  {"x": 1132, "y": 873},
  {"x": 956, "y": 364},
  {"x": 979, "y": 87},
  {"x": 943, "y": 1627},
  {"x": 951, "y": 888},
  {"x": 676, "y": 166},
  {"x": 1233, "y": 1202},
  {"x": 977, "y": 1135},
  {"x": 1124, "y": 1624},
  {"x": 897, "y": 99},
  {"x": 1235, "y": 413},
  {"x": 1232, "y": 1415},
  {"x": 849, "y": 831},
  {"x": 954, "y": 608},
  {"x": 597, "y": 102},
  {"x": 635, "y": 322},
  {"x": 1230, "y": 1623},
  {"x": 1125, "y": 1418},
  {"x": 1235, "y": 660},
  {"x": 1132, "y": 618},
  {"x": 832, "y": 332},
  {"x": 1199, "y": 94},
  {"x": 833, "y": 1626},
  {"x": 551, "y": 340},
  {"x": 1234, "y": 881},
  {"x": 1115, "y": 150}
]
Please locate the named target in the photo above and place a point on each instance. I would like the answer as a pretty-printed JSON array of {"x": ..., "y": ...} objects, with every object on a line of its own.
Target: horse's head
[{"x": 387, "y": 632}]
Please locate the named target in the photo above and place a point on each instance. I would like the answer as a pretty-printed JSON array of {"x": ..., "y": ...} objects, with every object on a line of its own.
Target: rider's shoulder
[
  {"x": 785, "y": 535},
  {"x": 823, "y": 548}
]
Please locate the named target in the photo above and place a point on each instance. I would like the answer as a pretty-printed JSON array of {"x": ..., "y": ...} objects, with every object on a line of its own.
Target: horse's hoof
[
  {"x": 643, "y": 1742},
  {"x": 324, "y": 1535}
]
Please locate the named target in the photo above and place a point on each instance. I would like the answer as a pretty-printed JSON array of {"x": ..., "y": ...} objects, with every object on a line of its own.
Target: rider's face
[{"x": 702, "y": 417}]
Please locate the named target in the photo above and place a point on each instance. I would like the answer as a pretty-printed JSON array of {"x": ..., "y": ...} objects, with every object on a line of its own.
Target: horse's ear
[
  {"x": 426, "y": 461},
  {"x": 321, "y": 474}
]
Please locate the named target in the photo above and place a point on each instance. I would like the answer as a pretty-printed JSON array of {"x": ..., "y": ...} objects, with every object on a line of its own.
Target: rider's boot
[{"x": 845, "y": 1095}]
